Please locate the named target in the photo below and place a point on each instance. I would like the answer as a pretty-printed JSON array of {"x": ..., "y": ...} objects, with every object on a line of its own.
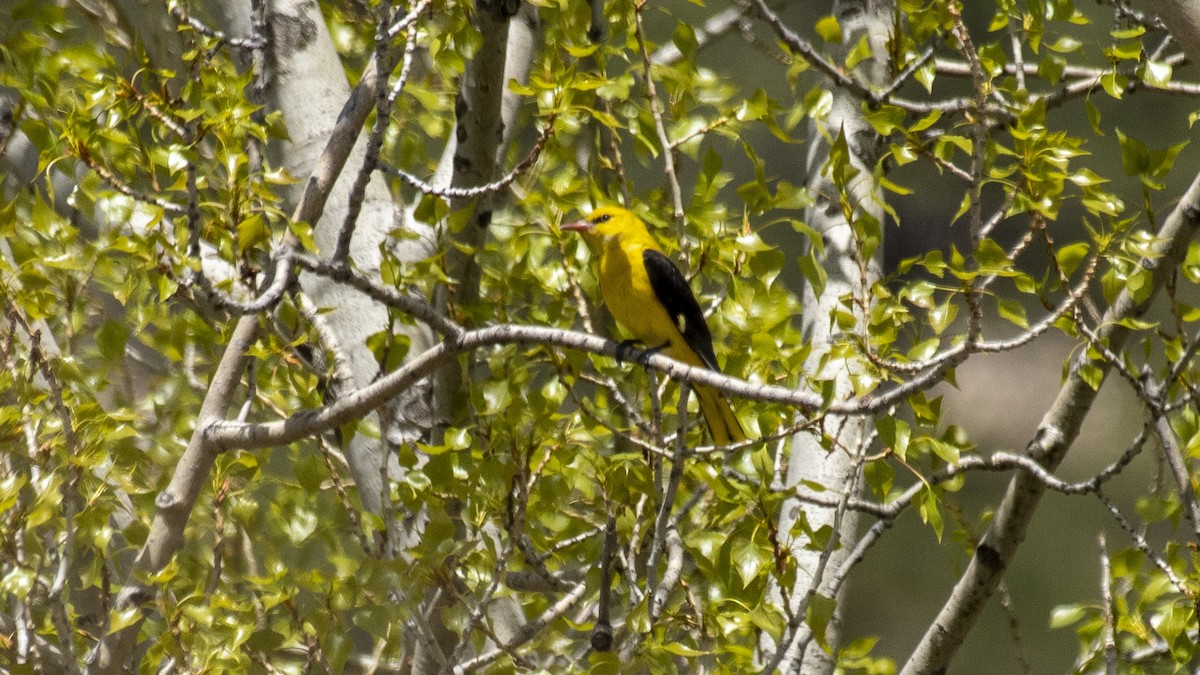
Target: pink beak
[{"x": 577, "y": 226}]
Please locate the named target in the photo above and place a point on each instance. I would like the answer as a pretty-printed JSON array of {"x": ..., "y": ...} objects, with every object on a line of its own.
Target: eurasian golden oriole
[{"x": 650, "y": 298}]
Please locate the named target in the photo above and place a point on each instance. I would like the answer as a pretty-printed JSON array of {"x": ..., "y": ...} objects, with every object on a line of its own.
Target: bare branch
[
  {"x": 662, "y": 523},
  {"x": 121, "y": 186},
  {"x": 408, "y": 19},
  {"x": 1144, "y": 546},
  {"x": 602, "y": 635},
  {"x": 410, "y": 304},
  {"x": 385, "y": 62},
  {"x": 226, "y": 435},
  {"x": 909, "y": 70},
  {"x": 280, "y": 280},
  {"x": 179, "y": 11},
  {"x": 1106, "y": 598},
  {"x": 456, "y": 192},
  {"x": 801, "y": 46},
  {"x": 526, "y": 632},
  {"x": 660, "y": 128}
]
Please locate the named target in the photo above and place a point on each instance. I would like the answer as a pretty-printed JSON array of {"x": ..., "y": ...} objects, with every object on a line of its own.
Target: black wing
[{"x": 676, "y": 296}]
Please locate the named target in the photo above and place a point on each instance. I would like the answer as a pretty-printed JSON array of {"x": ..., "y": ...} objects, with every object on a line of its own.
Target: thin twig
[
  {"x": 383, "y": 110},
  {"x": 801, "y": 46},
  {"x": 602, "y": 633},
  {"x": 662, "y": 523},
  {"x": 179, "y": 11},
  {"x": 455, "y": 192},
  {"x": 660, "y": 128},
  {"x": 526, "y": 632},
  {"x": 1106, "y": 597},
  {"x": 1144, "y": 546}
]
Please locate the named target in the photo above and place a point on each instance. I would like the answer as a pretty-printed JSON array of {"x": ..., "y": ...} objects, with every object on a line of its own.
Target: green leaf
[
  {"x": 1065, "y": 45},
  {"x": 685, "y": 40},
  {"x": 1013, "y": 311},
  {"x": 926, "y": 121},
  {"x": 1085, "y": 177},
  {"x": 122, "y": 619},
  {"x": 818, "y": 615},
  {"x": 265, "y": 640},
  {"x": 859, "y": 53},
  {"x": 945, "y": 451},
  {"x": 111, "y": 339},
  {"x": 1134, "y": 323},
  {"x": 886, "y": 119},
  {"x": 1071, "y": 256},
  {"x": 1051, "y": 68},
  {"x": 813, "y": 271},
  {"x": 756, "y": 107},
  {"x": 1156, "y": 73},
  {"x": 991, "y": 258},
  {"x": 1066, "y": 615},
  {"x": 829, "y": 28},
  {"x": 942, "y": 315},
  {"x": 457, "y": 438},
  {"x": 310, "y": 472},
  {"x": 1092, "y": 374},
  {"x": 925, "y": 76},
  {"x": 1093, "y": 116},
  {"x": 1151, "y": 165},
  {"x": 252, "y": 232},
  {"x": 768, "y": 618},
  {"x": 1171, "y": 623},
  {"x": 1114, "y": 83},
  {"x": 1134, "y": 31},
  {"x": 712, "y": 165},
  {"x": 879, "y": 475},
  {"x": 431, "y": 209},
  {"x": 680, "y": 649},
  {"x": 895, "y": 434},
  {"x": 749, "y": 559},
  {"x": 930, "y": 513}
]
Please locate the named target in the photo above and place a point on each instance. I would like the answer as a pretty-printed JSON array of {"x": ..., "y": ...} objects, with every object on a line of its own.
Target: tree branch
[
  {"x": 176, "y": 502},
  {"x": 1053, "y": 438}
]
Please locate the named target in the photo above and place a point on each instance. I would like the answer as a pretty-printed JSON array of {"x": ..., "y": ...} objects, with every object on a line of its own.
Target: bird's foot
[
  {"x": 632, "y": 350},
  {"x": 643, "y": 357},
  {"x": 625, "y": 349}
]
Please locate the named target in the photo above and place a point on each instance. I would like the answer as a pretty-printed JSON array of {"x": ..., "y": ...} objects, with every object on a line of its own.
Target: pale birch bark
[
  {"x": 304, "y": 58},
  {"x": 831, "y": 459},
  {"x": 485, "y": 123},
  {"x": 306, "y": 82}
]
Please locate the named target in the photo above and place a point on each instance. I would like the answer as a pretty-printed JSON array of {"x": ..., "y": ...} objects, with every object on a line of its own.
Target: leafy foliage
[{"x": 115, "y": 321}]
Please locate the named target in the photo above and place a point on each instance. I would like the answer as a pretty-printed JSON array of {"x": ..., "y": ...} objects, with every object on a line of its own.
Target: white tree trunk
[{"x": 832, "y": 458}]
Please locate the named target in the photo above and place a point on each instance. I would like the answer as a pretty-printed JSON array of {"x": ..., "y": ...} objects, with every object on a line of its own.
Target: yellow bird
[{"x": 651, "y": 299}]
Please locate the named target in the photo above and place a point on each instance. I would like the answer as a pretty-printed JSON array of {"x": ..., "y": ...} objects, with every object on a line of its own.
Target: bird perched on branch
[{"x": 650, "y": 298}]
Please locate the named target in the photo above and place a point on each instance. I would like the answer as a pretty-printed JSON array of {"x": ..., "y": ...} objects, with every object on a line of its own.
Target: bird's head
[{"x": 609, "y": 224}]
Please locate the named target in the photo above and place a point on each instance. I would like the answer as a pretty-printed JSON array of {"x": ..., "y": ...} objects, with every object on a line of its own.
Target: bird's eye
[{"x": 604, "y": 218}]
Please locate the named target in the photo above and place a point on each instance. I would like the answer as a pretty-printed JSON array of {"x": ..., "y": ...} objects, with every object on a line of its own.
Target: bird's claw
[
  {"x": 629, "y": 348},
  {"x": 625, "y": 348},
  {"x": 643, "y": 359}
]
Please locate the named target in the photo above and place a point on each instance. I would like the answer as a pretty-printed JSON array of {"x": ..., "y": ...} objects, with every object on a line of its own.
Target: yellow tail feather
[{"x": 722, "y": 423}]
